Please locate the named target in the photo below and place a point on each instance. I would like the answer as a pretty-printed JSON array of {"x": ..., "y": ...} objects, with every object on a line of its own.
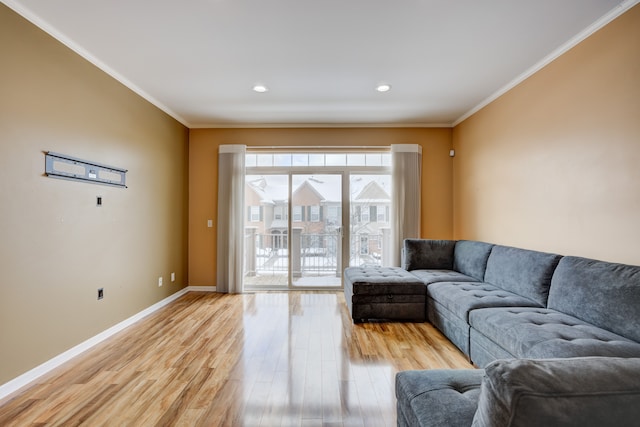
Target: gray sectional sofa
[
  {"x": 499, "y": 303},
  {"x": 573, "y": 392}
]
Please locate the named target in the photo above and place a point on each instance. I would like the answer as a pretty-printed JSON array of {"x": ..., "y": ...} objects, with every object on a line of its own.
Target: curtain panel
[
  {"x": 406, "y": 170},
  {"x": 231, "y": 172}
]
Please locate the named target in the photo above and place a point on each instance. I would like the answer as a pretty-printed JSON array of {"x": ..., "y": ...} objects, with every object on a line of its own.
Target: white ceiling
[{"x": 321, "y": 59}]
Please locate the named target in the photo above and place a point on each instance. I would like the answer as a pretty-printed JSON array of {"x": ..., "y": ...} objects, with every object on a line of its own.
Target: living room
[{"x": 549, "y": 165}]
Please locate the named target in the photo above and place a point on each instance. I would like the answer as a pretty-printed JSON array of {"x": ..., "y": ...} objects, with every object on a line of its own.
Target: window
[
  {"x": 364, "y": 244},
  {"x": 301, "y": 159},
  {"x": 305, "y": 190},
  {"x": 332, "y": 214},
  {"x": 279, "y": 212},
  {"x": 297, "y": 213},
  {"x": 254, "y": 213},
  {"x": 315, "y": 214},
  {"x": 364, "y": 215}
]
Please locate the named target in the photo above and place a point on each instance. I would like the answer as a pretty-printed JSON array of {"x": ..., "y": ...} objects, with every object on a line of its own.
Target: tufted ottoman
[
  {"x": 438, "y": 397},
  {"x": 389, "y": 293}
]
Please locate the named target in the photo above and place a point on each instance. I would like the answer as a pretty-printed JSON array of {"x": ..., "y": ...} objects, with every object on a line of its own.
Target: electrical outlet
[
  {"x": 159, "y": 281},
  {"x": 100, "y": 293},
  {"x": 173, "y": 277}
]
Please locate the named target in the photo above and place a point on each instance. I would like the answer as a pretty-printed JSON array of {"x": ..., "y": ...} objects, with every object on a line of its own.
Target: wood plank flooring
[{"x": 264, "y": 359}]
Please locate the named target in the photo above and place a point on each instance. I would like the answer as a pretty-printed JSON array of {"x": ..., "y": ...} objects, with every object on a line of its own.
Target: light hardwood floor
[{"x": 265, "y": 359}]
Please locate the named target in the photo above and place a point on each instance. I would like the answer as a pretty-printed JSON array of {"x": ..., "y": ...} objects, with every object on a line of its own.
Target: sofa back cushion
[
  {"x": 604, "y": 294},
  {"x": 580, "y": 392},
  {"x": 521, "y": 271},
  {"x": 426, "y": 254},
  {"x": 471, "y": 257}
]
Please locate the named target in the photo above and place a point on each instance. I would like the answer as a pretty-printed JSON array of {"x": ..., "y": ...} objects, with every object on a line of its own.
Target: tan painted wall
[
  {"x": 57, "y": 248},
  {"x": 436, "y": 221},
  {"x": 554, "y": 164}
]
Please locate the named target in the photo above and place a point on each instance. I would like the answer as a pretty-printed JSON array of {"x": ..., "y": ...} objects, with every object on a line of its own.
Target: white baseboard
[
  {"x": 35, "y": 373},
  {"x": 202, "y": 289}
]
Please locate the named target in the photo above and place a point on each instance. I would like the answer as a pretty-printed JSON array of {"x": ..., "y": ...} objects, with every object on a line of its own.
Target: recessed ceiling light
[
  {"x": 260, "y": 88},
  {"x": 383, "y": 87}
]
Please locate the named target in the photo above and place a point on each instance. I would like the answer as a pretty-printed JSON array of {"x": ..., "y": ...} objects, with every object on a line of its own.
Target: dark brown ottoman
[{"x": 384, "y": 293}]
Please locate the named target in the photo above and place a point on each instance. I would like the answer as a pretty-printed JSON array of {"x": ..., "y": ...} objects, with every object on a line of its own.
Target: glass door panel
[
  {"x": 316, "y": 230},
  {"x": 370, "y": 227},
  {"x": 266, "y": 261}
]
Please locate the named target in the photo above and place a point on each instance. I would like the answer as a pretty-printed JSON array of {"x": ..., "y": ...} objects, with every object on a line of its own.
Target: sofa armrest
[
  {"x": 584, "y": 391},
  {"x": 427, "y": 254}
]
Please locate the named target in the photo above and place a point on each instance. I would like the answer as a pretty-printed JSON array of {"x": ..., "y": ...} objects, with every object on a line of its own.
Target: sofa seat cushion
[
  {"x": 462, "y": 297},
  {"x": 438, "y": 397},
  {"x": 433, "y": 276},
  {"x": 580, "y": 392},
  {"x": 529, "y": 332}
]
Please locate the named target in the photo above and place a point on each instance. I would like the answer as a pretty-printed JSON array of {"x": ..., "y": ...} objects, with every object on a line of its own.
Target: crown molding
[
  {"x": 578, "y": 38},
  {"x": 62, "y": 38},
  {"x": 316, "y": 125}
]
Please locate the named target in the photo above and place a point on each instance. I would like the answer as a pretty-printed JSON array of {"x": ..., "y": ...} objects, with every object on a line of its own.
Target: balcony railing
[{"x": 316, "y": 255}]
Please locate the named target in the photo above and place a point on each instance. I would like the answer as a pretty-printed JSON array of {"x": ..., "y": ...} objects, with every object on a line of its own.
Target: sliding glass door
[{"x": 309, "y": 215}]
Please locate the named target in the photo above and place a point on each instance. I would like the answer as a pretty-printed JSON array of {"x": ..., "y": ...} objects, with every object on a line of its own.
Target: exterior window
[
  {"x": 277, "y": 213},
  {"x": 315, "y": 213},
  {"x": 381, "y": 214},
  {"x": 364, "y": 245},
  {"x": 364, "y": 215},
  {"x": 332, "y": 214},
  {"x": 255, "y": 213},
  {"x": 297, "y": 213}
]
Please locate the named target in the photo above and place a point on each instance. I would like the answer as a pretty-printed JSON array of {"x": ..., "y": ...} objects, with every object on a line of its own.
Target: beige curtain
[
  {"x": 406, "y": 169},
  {"x": 231, "y": 172}
]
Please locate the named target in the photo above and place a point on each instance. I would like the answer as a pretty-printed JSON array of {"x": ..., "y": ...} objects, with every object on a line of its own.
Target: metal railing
[{"x": 313, "y": 254}]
